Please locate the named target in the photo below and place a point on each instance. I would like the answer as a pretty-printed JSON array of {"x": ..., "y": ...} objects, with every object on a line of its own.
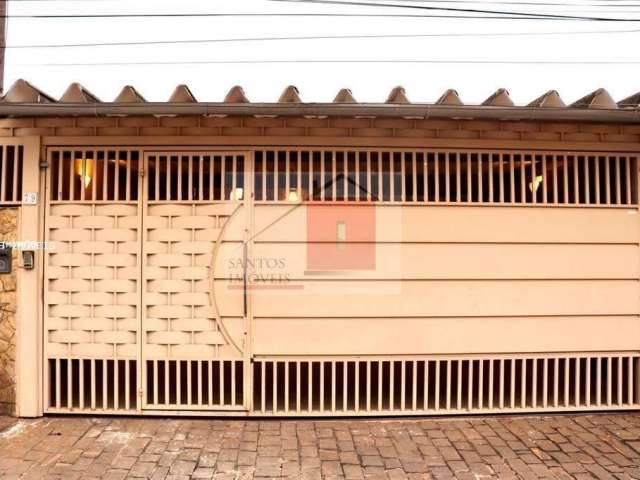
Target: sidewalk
[{"x": 561, "y": 446}]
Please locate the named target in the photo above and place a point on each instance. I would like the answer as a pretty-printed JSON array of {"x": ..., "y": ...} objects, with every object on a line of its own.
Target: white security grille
[
  {"x": 437, "y": 176},
  {"x": 448, "y": 384}
]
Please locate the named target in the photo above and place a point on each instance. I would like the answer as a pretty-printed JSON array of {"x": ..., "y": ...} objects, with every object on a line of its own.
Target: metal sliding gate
[{"x": 150, "y": 306}]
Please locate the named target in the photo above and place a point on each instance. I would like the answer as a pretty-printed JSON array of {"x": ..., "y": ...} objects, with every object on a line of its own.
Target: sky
[{"x": 104, "y": 70}]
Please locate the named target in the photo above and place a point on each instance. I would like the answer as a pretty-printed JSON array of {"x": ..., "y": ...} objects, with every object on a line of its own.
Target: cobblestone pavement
[{"x": 558, "y": 446}]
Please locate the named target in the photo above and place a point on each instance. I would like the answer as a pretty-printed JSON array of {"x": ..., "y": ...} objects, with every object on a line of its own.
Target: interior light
[
  {"x": 237, "y": 194},
  {"x": 84, "y": 169},
  {"x": 293, "y": 196},
  {"x": 533, "y": 186}
]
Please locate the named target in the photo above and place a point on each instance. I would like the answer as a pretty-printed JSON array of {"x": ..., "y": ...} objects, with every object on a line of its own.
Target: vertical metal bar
[
  {"x": 368, "y": 384},
  {"x": 199, "y": 362},
  {"x": 607, "y": 179},
  {"x": 588, "y": 376},
  {"x": 490, "y": 162},
  {"x": 523, "y": 186},
  {"x": 167, "y": 365},
  {"x": 627, "y": 167},
  {"x": 534, "y": 191},
  {"x": 565, "y": 178},
  {"x": 620, "y": 402},
  {"x": 321, "y": 386},
  {"x": 479, "y": 177},
  {"x": 512, "y": 175},
  {"x": 534, "y": 384},
  {"x": 155, "y": 383},
  {"x": 512, "y": 383},
  {"x": 576, "y": 180},
  {"x": 414, "y": 385},
  {"x": 274, "y": 405},
  {"x": 425, "y": 176},
  {"x": 345, "y": 175},
  {"x": 480, "y": 384},
  {"x": 104, "y": 385},
  {"x": 469, "y": 175},
  {"x": 310, "y": 386},
  {"x": 93, "y": 384},
  {"x": 380, "y": 183},
  {"x": 263, "y": 390},
  {"x": 630, "y": 380},
  {"x": 264, "y": 177},
  {"x": 210, "y": 362},
  {"x": 333, "y": 386},
  {"x": 501, "y": 178},
  {"x": 221, "y": 380},
  {"x": 286, "y": 384},
  {"x": 523, "y": 383},
  {"x": 392, "y": 186},
  {"x": 127, "y": 190},
  {"x": 437, "y": 385},
  {"x": 344, "y": 386},
  {"x": 470, "y": 386},
  {"x": 232, "y": 363},
  {"x": 403, "y": 186},
  {"x": 223, "y": 185},
  {"x": 501, "y": 386},
  {"x": 116, "y": 374},
  {"x": 448, "y": 385},
  {"x": 598, "y": 381},
  {"x": 403, "y": 382},
  {"x": 555, "y": 179},
  {"x": 167, "y": 182},
  {"x": 414, "y": 176},
  {"x": 577, "y": 382},
  {"x": 334, "y": 175},
  {"x": 545, "y": 381},
  {"x": 425, "y": 400},
  {"x": 369, "y": 175},
  {"x": 298, "y": 387},
  {"x": 380, "y": 366},
  {"x": 58, "y": 382},
  {"x": 609, "y": 382},
  {"x": 436, "y": 177},
  {"x": 597, "y": 181},
  {"x": 81, "y": 386},
  {"x": 189, "y": 373},
  {"x": 459, "y": 384},
  {"x": 458, "y": 179},
  {"x": 447, "y": 181},
  {"x": 356, "y": 386},
  {"x": 179, "y": 381},
  {"x": 391, "y": 385},
  {"x": 545, "y": 177},
  {"x": 70, "y": 377},
  {"x": 567, "y": 370},
  {"x": 618, "y": 193},
  {"x": 587, "y": 187},
  {"x": 491, "y": 362},
  {"x": 287, "y": 170}
]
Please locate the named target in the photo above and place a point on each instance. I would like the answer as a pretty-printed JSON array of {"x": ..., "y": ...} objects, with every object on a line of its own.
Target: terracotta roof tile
[
  {"x": 550, "y": 99},
  {"x": 236, "y": 95},
  {"x": 128, "y": 94},
  {"x": 23, "y": 92},
  {"x": 290, "y": 95},
  {"x": 597, "y": 99},
  {"x": 182, "y": 94},
  {"x": 500, "y": 98},
  {"x": 344, "y": 96},
  {"x": 76, "y": 93},
  {"x": 450, "y": 97},
  {"x": 398, "y": 95}
]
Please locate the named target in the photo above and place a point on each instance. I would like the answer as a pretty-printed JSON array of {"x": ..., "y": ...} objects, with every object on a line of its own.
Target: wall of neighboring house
[{"x": 8, "y": 229}]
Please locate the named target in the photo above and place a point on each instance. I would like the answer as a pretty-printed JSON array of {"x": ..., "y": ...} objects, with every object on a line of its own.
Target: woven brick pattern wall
[{"x": 8, "y": 227}]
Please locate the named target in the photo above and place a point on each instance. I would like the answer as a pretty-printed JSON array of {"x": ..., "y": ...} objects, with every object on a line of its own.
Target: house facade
[{"x": 292, "y": 258}]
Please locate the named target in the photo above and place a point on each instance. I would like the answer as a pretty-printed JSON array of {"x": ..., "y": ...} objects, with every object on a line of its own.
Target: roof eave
[{"x": 321, "y": 109}]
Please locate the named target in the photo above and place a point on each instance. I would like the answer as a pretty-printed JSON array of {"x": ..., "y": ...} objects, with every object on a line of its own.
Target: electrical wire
[
  {"x": 318, "y": 37},
  {"x": 337, "y": 61},
  {"x": 544, "y": 16}
]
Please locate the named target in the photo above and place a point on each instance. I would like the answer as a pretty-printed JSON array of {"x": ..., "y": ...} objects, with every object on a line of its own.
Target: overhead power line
[
  {"x": 449, "y": 9},
  {"x": 336, "y": 61},
  {"x": 318, "y": 37},
  {"x": 311, "y": 15}
]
